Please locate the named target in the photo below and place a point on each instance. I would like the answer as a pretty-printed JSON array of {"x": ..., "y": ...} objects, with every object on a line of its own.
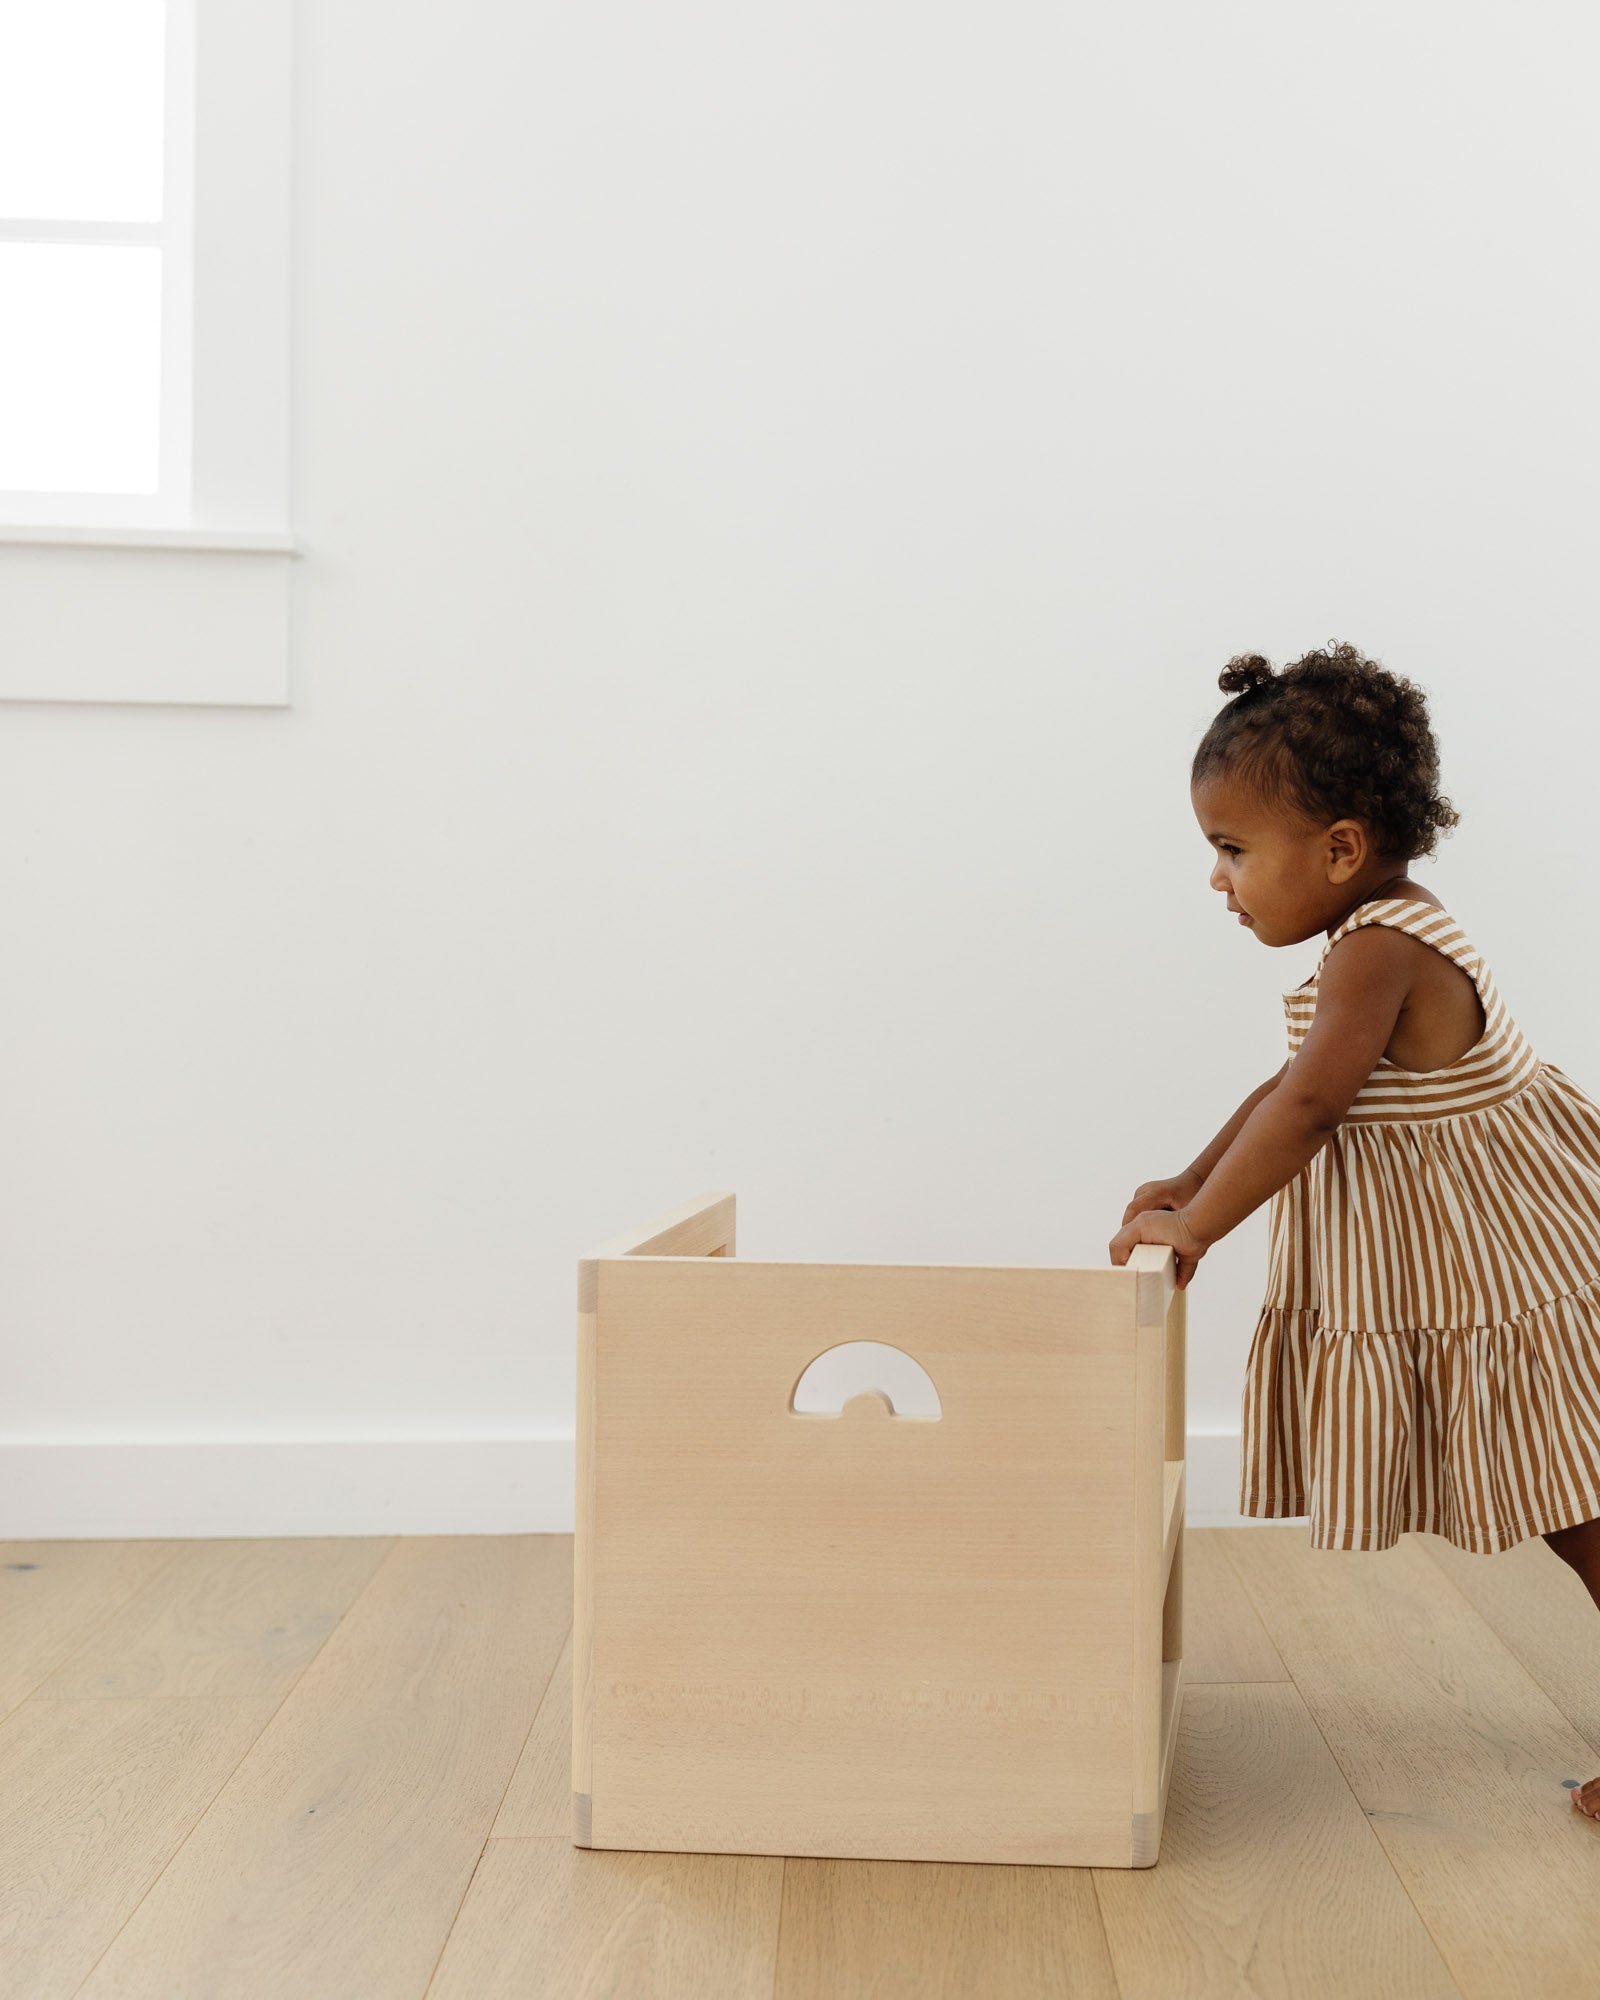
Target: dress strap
[
  {"x": 1424, "y": 921},
  {"x": 1497, "y": 1066}
]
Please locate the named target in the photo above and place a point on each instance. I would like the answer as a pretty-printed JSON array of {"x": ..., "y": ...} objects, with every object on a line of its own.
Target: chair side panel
[
  {"x": 863, "y": 1634},
  {"x": 583, "y": 1566}
]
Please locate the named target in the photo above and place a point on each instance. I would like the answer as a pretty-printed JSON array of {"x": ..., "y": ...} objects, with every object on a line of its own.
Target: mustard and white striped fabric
[{"x": 1428, "y": 1354}]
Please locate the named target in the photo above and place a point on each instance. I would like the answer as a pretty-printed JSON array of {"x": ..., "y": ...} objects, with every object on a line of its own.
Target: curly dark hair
[{"x": 1333, "y": 736}]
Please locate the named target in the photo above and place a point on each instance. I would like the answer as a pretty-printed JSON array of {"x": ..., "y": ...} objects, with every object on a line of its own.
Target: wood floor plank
[
  {"x": 53, "y": 1595},
  {"x": 95, "y": 1799},
  {"x": 1540, "y": 1610},
  {"x": 1270, "y": 1883},
  {"x": 223, "y": 1617},
  {"x": 130, "y": 1732},
  {"x": 545, "y": 1918},
  {"x": 1452, "y": 1748},
  {"x": 336, "y": 1857},
  {"x": 1223, "y": 1636},
  {"x": 538, "y": 1800},
  {"x": 940, "y": 1930}
]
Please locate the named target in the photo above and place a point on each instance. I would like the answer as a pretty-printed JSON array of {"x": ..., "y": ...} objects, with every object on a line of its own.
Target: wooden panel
[
  {"x": 583, "y": 1575},
  {"x": 1177, "y": 1370},
  {"x": 867, "y": 1634},
  {"x": 1172, "y": 1602},
  {"x": 1171, "y": 1718},
  {"x": 703, "y": 1226},
  {"x": 1177, "y": 1474},
  {"x": 1171, "y": 1516},
  {"x": 1150, "y": 1549}
]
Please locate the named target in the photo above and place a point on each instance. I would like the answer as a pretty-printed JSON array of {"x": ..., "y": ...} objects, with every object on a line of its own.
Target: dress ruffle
[{"x": 1484, "y": 1435}]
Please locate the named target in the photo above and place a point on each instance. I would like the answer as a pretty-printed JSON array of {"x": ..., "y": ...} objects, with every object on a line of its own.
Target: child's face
[{"x": 1286, "y": 875}]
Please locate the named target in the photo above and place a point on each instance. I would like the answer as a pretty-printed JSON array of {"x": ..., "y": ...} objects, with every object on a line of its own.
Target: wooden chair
[{"x": 942, "y": 1621}]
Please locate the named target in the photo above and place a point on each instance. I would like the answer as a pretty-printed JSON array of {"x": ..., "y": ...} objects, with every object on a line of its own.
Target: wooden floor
[{"x": 331, "y": 1769}]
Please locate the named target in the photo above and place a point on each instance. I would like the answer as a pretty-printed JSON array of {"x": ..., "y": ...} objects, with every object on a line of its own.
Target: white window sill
[
  {"x": 234, "y": 541},
  {"x": 190, "y": 616}
]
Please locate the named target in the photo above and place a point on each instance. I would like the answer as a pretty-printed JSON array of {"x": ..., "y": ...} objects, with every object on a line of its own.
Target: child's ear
[{"x": 1346, "y": 849}]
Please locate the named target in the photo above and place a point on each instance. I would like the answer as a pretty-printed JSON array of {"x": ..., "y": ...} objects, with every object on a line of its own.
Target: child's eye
[{"x": 1226, "y": 848}]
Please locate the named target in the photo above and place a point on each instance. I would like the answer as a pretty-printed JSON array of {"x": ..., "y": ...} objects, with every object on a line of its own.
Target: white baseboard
[
  {"x": 121, "y": 1491},
  {"x": 117, "y": 1490}
]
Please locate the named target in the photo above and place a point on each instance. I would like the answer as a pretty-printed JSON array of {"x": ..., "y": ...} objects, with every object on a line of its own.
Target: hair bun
[{"x": 1244, "y": 672}]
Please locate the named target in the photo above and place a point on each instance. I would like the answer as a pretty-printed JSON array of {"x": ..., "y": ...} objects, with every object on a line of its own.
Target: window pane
[
  {"x": 80, "y": 368},
  {"x": 81, "y": 85}
]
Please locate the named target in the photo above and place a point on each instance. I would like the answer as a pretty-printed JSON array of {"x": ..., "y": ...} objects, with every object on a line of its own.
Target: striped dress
[{"x": 1428, "y": 1355}]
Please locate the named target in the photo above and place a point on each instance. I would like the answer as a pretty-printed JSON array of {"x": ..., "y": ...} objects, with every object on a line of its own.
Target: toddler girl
[{"x": 1428, "y": 1355}]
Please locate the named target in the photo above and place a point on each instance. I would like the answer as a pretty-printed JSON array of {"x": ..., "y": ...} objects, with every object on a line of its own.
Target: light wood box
[{"x": 950, "y": 1638}]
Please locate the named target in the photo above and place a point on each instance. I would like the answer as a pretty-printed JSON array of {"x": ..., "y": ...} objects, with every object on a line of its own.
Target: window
[
  {"x": 96, "y": 230},
  {"x": 144, "y": 350}
]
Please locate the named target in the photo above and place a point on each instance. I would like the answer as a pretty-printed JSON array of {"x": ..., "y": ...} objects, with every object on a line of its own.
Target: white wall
[{"x": 779, "y": 486}]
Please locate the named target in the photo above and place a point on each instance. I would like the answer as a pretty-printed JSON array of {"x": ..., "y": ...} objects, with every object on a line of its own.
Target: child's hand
[
  {"x": 1162, "y": 1225},
  {"x": 1176, "y": 1193}
]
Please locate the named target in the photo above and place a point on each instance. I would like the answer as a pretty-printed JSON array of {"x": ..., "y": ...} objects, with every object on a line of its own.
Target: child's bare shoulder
[{"x": 1378, "y": 972}]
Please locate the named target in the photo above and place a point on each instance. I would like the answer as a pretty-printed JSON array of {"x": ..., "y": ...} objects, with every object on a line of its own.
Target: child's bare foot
[{"x": 1586, "y": 1798}]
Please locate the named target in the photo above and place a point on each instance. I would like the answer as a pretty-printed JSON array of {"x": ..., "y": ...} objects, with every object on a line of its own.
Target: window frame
[
  {"x": 169, "y": 506},
  {"x": 100, "y": 606}
]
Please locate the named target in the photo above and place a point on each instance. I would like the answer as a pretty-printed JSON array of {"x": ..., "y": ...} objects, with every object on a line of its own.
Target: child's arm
[
  {"x": 1203, "y": 1165},
  {"x": 1274, "y": 1143},
  {"x": 1359, "y": 997},
  {"x": 1183, "y": 1188}
]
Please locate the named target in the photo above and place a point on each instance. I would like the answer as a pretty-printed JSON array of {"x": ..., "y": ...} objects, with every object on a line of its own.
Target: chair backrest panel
[{"x": 902, "y": 1618}]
